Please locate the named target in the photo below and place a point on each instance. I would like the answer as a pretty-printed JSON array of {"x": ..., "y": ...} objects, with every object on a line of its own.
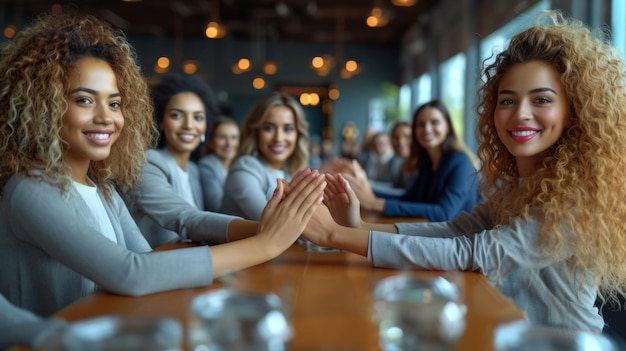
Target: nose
[
  {"x": 103, "y": 114},
  {"x": 279, "y": 134},
  {"x": 188, "y": 122},
  {"x": 524, "y": 111},
  {"x": 428, "y": 127}
]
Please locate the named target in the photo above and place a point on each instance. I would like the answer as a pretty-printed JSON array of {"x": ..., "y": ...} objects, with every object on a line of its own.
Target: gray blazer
[
  {"x": 52, "y": 253},
  {"x": 212, "y": 177},
  {"x": 22, "y": 327},
  {"x": 161, "y": 212},
  {"x": 249, "y": 185},
  {"x": 545, "y": 286}
]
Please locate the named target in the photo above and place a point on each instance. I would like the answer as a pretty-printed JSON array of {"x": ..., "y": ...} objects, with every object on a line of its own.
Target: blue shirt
[{"x": 441, "y": 194}]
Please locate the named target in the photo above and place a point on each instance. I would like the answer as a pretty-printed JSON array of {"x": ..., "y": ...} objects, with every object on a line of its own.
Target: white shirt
[
  {"x": 94, "y": 202},
  {"x": 184, "y": 179}
]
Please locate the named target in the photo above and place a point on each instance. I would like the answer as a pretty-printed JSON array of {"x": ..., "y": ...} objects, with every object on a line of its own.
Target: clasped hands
[{"x": 341, "y": 207}]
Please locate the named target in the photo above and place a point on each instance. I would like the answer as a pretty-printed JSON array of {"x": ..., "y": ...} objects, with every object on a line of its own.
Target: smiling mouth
[
  {"x": 98, "y": 136},
  {"x": 524, "y": 133},
  {"x": 187, "y": 137},
  {"x": 278, "y": 149}
]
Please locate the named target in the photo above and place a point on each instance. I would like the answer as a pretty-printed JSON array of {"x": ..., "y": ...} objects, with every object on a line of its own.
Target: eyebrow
[
  {"x": 91, "y": 91},
  {"x": 533, "y": 91},
  {"x": 181, "y": 110},
  {"x": 282, "y": 124}
]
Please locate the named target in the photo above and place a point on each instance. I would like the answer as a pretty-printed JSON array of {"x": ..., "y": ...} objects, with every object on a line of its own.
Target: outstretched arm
[
  {"x": 344, "y": 206},
  {"x": 284, "y": 218},
  {"x": 363, "y": 189},
  {"x": 322, "y": 230}
]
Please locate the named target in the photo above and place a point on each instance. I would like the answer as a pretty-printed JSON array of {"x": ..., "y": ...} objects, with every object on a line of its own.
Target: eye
[
  {"x": 268, "y": 128},
  {"x": 543, "y": 100},
  {"x": 176, "y": 115},
  {"x": 115, "y": 105},
  {"x": 506, "y": 102},
  {"x": 83, "y": 100},
  {"x": 289, "y": 128},
  {"x": 199, "y": 118}
]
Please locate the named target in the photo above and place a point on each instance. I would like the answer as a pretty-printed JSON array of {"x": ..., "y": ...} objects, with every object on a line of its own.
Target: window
[{"x": 452, "y": 73}]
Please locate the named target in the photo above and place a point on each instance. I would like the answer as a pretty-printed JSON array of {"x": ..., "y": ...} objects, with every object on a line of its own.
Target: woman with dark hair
[
  {"x": 446, "y": 182},
  {"x": 220, "y": 151},
  {"x": 168, "y": 202}
]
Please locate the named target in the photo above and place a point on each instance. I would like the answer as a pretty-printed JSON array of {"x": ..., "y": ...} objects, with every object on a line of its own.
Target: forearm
[
  {"x": 376, "y": 205},
  {"x": 241, "y": 228},
  {"x": 349, "y": 239},
  {"x": 379, "y": 227},
  {"x": 235, "y": 256}
]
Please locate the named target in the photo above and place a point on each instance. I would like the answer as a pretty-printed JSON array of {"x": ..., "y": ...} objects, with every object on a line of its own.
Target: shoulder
[
  {"x": 22, "y": 185},
  {"x": 247, "y": 163},
  {"x": 208, "y": 161},
  {"x": 157, "y": 157},
  {"x": 458, "y": 158},
  {"x": 246, "y": 170},
  {"x": 28, "y": 194}
]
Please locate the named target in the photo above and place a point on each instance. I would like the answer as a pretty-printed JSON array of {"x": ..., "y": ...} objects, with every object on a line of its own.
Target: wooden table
[
  {"x": 330, "y": 295},
  {"x": 372, "y": 217}
]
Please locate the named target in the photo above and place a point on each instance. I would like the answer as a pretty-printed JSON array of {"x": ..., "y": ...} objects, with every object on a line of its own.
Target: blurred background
[{"x": 365, "y": 62}]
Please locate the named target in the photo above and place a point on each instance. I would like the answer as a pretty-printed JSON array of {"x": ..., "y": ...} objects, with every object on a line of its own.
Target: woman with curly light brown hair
[
  {"x": 274, "y": 145},
  {"x": 552, "y": 133},
  {"x": 75, "y": 121}
]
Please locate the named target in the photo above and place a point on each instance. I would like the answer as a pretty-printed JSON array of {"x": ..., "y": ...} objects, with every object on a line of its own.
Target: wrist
[
  {"x": 270, "y": 248},
  {"x": 377, "y": 205}
]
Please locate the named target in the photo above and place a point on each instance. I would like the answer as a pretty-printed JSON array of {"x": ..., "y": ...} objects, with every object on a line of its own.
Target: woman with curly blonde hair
[
  {"x": 274, "y": 145},
  {"x": 551, "y": 234},
  {"x": 75, "y": 122}
]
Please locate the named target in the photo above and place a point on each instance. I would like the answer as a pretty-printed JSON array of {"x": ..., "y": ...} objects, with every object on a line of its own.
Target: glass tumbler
[
  {"x": 522, "y": 336},
  {"x": 418, "y": 313},
  {"x": 232, "y": 320},
  {"x": 116, "y": 333}
]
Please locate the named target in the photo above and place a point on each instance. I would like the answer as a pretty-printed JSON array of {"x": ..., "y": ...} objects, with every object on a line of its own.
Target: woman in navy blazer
[{"x": 446, "y": 182}]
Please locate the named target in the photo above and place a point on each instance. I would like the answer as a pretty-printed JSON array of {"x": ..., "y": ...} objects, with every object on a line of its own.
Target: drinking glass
[
  {"x": 228, "y": 319},
  {"x": 522, "y": 336},
  {"x": 115, "y": 333},
  {"x": 419, "y": 313}
]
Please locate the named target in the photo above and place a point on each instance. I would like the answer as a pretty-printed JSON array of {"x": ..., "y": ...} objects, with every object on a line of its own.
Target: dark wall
[{"x": 214, "y": 58}]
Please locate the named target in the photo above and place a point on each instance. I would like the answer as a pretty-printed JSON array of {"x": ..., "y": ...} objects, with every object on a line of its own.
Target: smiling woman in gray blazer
[
  {"x": 167, "y": 204},
  {"x": 274, "y": 144},
  {"x": 64, "y": 230}
]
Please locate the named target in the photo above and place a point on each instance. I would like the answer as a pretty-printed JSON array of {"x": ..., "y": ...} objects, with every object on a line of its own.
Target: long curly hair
[
  {"x": 578, "y": 186},
  {"x": 450, "y": 143},
  {"x": 35, "y": 68},
  {"x": 249, "y": 140}
]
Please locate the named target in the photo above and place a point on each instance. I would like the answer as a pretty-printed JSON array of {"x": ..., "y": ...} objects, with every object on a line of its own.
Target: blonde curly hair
[
  {"x": 35, "y": 68},
  {"x": 581, "y": 179},
  {"x": 249, "y": 139}
]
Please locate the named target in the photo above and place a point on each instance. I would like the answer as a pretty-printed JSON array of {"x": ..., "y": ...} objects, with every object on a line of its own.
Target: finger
[
  {"x": 349, "y": 177},
  {"x": 303, "y": 188},
  {"x": 286, "y": 185},
  {"x": 348, "y": 189},
  {"x": 300, "y": 176},
  {"x": 276, "y": 198},
  {"x": 313, "y": 199},
  {"x": 334, "y": 185},
  {"x": 312, "y": 192}
]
